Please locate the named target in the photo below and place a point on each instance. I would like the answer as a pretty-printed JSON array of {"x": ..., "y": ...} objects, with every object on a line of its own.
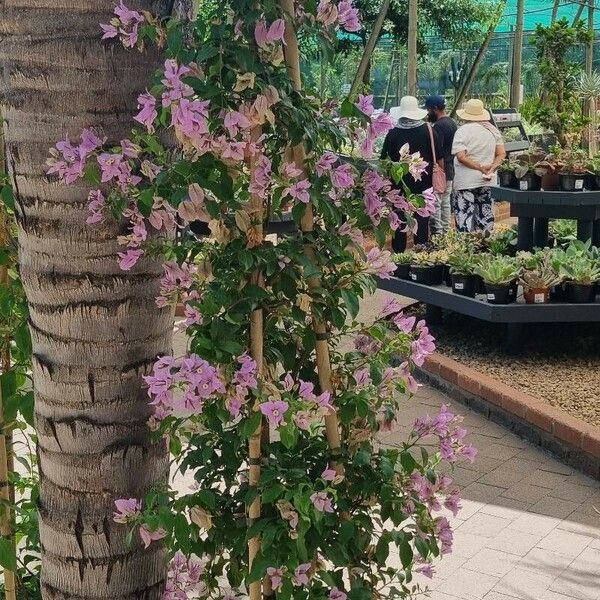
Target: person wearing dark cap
[{"x": 445, "y": 127}]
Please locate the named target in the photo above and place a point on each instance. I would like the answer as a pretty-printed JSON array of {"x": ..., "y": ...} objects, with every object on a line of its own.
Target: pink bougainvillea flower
[
  {"x": 235, "y": 121},
  {"x": 336, "y": 594},
  {"x": 391, "y": 307},
  {"x": 149, "y": 536},
  {"x": 403, "y": 322},
  {"x": 349, "y": 17},
  {"x": 325, "y": 163},
  {"x": 328, "y": 474},
  {"x": 362, "y": 378},
  {"x": 176, "y": 89},
  {"x": 342, "y": 177},
  {"x": 379, "y": 262},
  {"x": 299, "y": 191},
  {"x": 127, "y": 509},
  {"x": 96, "y": 206},
  {"x": 148, "y": 112},
  {"x": 268, "y": 35},
  {"x": 303, "y": 420},
  {"x": 301, "y": 574},
  {"x": 426, "y": 569},
  {"x": 276, "y": 577},
  {"x": 322, "y": 502},
  {"x": 128, "y": 259},
  {"x": 110, "y": 31},
  {"x": 365, "y": 104},
  {"x": 275, "y": 411}
]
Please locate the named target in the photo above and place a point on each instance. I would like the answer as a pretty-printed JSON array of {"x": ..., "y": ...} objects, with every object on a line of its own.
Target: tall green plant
[{"x": 558, "y": 108}]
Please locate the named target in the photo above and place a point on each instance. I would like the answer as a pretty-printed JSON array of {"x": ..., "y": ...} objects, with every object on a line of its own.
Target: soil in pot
[
  {"x": 530, "y": 182},
  {"x": 580, "y": 293},
  {"x": 500, "y": 294},
  {"x": 464, "y": 285},
  {"x": 537, "y": 296},
  {"x": 426, "y": 275},
  {"x": 507, "y": 179},
  {"x": 571, "y": 182},
  {"x": 402, "y": 271}
]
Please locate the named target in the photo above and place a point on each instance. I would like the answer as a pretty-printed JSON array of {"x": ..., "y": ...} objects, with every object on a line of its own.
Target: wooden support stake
[
  {"x": 517, "y": 60},
  {"x": 369, "y": 48},
  {"x": 413, "y": 10},
  {"x": 321, "y": 345},
  {"x": 257, "y": 353}
]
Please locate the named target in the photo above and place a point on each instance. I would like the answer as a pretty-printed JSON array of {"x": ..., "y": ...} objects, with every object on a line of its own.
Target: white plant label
[
  {"x": 539, "y": 298},
  {"x": 413, "y": 276},
  {"x": 579, "y": 184},
  {"x": 459, "y": 286},
  {"x": 491, "y": 296},
  {"x": 523, "y": 185}
]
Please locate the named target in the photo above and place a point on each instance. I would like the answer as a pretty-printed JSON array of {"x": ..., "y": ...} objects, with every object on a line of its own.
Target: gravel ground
[{"x": 560, "y": 363}]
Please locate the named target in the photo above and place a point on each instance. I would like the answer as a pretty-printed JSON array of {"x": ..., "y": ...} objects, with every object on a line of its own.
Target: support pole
[
  {"x": 388, "y": 87},
  {"x": 369, "y": 48},
  {"x": 517, "y": 61},
  {"x": 590, "y": 103},
  {"x": 554, "y": 11},
  {"x": 477, "y": 62},
  {"x": 257, "y": 353},
  {"x": 413, "y": 10},
  {"x": 292, "y": 59}
]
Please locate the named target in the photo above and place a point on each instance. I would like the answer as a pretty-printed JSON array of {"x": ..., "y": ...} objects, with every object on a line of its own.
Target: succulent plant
[
  {"x": 540, "y": 273},
  {"x": 497, "y": 270},
  {"x": 404, "y": 258}
]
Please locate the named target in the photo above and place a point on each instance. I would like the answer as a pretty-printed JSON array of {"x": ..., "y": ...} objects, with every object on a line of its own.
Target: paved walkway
[{"x": 528, "y": 528}]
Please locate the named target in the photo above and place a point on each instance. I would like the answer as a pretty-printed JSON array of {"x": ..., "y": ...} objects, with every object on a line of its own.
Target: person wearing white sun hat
[
  {"x": 478, "y": 149},
  {"x": 412, "y": 130}
]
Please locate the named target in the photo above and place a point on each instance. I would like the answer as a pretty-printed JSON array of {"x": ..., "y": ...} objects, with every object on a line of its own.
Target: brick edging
[{"x": 570, "y": 438}]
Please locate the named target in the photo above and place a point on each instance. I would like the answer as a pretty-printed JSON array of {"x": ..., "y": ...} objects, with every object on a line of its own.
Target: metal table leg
[
  {"x": 585, "y": 230},
  {"x": 525, "y": 233},
  {"x": 540, "y": 232}
]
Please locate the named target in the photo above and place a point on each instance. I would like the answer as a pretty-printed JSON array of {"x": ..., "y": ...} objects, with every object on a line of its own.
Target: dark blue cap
[{"x": 435, "y": 102}]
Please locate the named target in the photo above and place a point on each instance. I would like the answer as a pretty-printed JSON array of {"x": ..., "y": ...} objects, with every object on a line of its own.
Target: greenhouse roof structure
[{"x": 538, "y": 11}]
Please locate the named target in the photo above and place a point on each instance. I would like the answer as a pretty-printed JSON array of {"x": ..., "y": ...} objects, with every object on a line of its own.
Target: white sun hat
[
  {"x": 409, "y": 109},
  {"x": 473, "y": 111}
]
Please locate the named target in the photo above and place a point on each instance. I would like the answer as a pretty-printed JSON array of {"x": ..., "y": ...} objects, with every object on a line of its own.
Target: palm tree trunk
[{"x": 95, "y": 329}]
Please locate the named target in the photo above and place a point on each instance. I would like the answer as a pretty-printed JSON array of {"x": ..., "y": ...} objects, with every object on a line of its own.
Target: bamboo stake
[
  {"x": 307, "y": 224},
  {"x": 257, "y": 353},
  {"x": 413, "y": 11},
  {"x": 368, "y": 51}
]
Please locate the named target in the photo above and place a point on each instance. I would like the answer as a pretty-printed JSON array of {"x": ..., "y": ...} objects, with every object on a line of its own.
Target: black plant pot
[
  {"x": 479, "y": 284},
  {"x": 446, "y": 276},
  {"x": 571, "y": 182},
  {"x": 507, "y": 179},
  {"x": 464, "y": 285},
  {"x": 513, "y": 290},
  {"x": 529, "y": 182},
  {"x": 558, "y": 293},
  {"x": 500, "y": 294},
  {"x": 596, "y": 183},
  {"x": 580, "y": 293},
  {"x": 590, "y": 182},
  {"x": 426, "y": 275},
  {"x": 402, "y": 271}
]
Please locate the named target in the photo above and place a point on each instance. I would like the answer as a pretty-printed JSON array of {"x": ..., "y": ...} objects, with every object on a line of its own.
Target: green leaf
[
  {"x": 422, "y": 547},
  {"x": 250, "y": 425},
  {"x": 351, "y": 301},
  {"x": 406, "y": 554},
  {"x": 272, "y": 493},
  {"x": 8, "y": 558},
  {"x": 382, "y": 550},
  {"x": 8, "y": 197},
  {"x": 289, "y": 435}
]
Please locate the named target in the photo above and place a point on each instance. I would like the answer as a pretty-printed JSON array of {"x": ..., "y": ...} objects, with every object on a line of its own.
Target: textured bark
[{"x": 96, "y": 330}]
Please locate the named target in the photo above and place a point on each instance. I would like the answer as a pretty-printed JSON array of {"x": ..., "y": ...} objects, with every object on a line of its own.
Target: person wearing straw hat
[
  {"x": 421, "y": 137},
  {"x": 478, "y": 149}
]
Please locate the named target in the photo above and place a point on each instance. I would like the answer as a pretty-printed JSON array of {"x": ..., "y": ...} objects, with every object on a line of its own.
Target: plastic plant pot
[
  {"x": 579, "y": 293},
  {"x": 446, "y": 276},
  {"x": 479, "y": 285},
  {"x": 571, "y": 182},
  {"x": 507, "y": 179},
  {"x": 426, "y": 275},
  {"x": 402, "y": 271},
  {"x": 499, "y": 294},
  {"x": 590, "y": 182},
  {"x": 464, "y": 285},
  {"x": 537, "y": 296},
  {"x": 558, "y": 293},
  {"x": 529, "y": 182}
]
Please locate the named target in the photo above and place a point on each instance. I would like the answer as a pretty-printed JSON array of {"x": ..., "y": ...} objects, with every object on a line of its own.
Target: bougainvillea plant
[{"x": 276, "y": 354}]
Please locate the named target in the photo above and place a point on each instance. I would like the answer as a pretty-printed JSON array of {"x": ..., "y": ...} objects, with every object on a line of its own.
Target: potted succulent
[
  {"x": 537, "y": 278},
  {"x": 573, "y": 167},
  {"x": 425, "y": 268},
  {"x": 506, "y": 174},
  {"x": 592, "y": 180},
  {"x": 580, "y": 273},
  {"x": 463, "y": 279},
  {"x": 503, "y": 240},
  {"x": 403, "y": 261},
  {"x": 563, "y": 231},
  {"x": 528, "y": 172},
  {"x": 500, "y": 274}
]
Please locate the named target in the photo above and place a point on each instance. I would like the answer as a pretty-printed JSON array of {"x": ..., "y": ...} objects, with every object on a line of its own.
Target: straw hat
[
  {"x": 409, "y": 109},
  {"x": 473, "y": 111}
]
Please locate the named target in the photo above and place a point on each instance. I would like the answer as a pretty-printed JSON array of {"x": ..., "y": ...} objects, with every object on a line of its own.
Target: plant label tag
[
  {"x": 413, "y": 276},
  {"x": 491, "y": 296},
  {"x": 459, "y": 286},
  {"x": 579, "y": 184},
  {"x": 523, "y": 185},
  {"x": 539, "y": 298}
]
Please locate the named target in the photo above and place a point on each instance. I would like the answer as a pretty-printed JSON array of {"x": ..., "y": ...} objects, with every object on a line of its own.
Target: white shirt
[{"x": 480, "y": 144}]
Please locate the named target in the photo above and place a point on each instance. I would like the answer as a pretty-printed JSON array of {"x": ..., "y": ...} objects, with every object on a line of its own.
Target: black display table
[
  {"x": 534, "y": 209},
  {"x": 513, "y": 315}
]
